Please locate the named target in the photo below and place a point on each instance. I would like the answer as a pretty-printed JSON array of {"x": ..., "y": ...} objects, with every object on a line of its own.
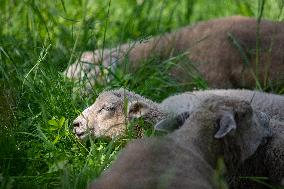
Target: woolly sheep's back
[
  {"x": 177, "y": 104},
  {"x": 271, "y": 104}
]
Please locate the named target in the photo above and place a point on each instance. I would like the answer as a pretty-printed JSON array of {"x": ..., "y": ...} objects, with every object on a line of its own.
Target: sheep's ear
[
  {"x": 172, "y": 123},
  {"x": 255, "y": 135},
  {"x": 250, "y": 137},
  {"x": 137, "y": 109},
  {"x": 227, "y": 124}
]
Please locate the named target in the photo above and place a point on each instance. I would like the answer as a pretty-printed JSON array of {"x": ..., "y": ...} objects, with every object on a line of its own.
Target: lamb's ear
[
  {"x": 227, "y": 124},
  {"x": 172, "y": 123},
  {"x": 137, "y": 109}
]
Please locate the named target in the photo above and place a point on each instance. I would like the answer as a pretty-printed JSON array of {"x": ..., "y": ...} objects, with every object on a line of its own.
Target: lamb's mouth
[{"x": 82, "y": 135}]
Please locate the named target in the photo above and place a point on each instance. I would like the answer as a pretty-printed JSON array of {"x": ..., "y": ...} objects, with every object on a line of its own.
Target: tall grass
[{"x": 38, "y": 40}]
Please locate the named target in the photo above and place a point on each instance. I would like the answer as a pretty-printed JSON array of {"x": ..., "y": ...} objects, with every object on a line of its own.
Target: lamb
[
  {"x": 221, "y": 127},
  {"x": 222, "y": 50},
  {"x": 108, "y": 115}
]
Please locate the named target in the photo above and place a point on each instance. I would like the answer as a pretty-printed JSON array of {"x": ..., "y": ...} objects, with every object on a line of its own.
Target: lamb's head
[
  {"x": 224, "y": 126},
  {"x": 112, "y": 110}
]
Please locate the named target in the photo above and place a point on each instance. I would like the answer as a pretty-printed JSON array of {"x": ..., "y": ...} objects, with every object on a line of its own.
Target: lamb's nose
[{"x": 76, "y": 123}]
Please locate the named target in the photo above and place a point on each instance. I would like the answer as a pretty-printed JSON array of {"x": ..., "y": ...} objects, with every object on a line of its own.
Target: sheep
[
  {"x": 222, "y": 50},
  {"x": 221, "y": 127},
  {"x": 107, "y": 116}
]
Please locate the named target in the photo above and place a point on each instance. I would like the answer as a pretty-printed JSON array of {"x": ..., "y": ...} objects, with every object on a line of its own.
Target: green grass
[{"x": 39, "y": 39}]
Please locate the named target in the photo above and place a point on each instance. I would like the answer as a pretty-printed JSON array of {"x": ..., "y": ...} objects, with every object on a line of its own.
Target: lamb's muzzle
[{"x": 77, "y": 125}]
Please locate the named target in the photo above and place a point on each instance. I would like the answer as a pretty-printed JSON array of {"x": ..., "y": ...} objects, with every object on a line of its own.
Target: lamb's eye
[{"x": 109, "y": 108}]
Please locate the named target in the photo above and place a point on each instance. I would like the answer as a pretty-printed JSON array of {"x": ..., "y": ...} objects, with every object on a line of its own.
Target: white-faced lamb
[
  {"x": 113, "y": 109},
  {"x": 221, "y": 127}
]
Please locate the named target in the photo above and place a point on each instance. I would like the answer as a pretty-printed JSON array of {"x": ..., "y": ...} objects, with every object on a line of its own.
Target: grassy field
[{"x": 39, "y": 39}]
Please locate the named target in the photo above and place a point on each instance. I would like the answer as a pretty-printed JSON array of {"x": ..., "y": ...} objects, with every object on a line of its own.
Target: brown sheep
[
  {"x": 222, "y": 50},
  {"x": 187, "y": 158}
]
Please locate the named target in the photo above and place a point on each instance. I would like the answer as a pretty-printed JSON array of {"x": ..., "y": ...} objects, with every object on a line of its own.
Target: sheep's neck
[
  {"x": 191, "y": 146},
  {"x": 155, "y": 114},
  {"x": 201, "y": 141}
]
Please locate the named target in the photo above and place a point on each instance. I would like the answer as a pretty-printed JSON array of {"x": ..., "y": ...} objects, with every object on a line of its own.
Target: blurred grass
[{"x": 39, "y": 39}]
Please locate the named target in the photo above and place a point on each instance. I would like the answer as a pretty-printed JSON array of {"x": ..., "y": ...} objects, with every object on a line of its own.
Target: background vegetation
[{"x": 39, "y": 39}]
